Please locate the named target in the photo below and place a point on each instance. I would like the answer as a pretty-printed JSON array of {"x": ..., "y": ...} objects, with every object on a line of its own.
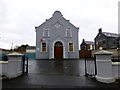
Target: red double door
[{"x": 58, "y": 50}]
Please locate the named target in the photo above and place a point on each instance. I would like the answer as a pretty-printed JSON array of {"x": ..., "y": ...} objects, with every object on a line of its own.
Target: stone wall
[{"x": 115, "y": 70}]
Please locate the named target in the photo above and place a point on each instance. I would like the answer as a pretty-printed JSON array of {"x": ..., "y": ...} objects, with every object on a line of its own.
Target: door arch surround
[{"x": 58, "y": 50}]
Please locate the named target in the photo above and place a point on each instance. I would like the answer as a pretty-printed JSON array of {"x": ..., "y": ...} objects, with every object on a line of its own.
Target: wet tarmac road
[
  {"x": 69, "y": 67},
  {"x": 54, "y": 74}
]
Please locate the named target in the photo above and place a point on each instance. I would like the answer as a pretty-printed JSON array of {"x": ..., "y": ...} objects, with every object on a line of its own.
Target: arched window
[{"x": 71, "y": 47}]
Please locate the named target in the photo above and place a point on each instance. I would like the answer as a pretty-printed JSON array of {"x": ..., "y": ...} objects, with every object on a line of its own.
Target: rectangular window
[
  {"x": 104, "y": 42},
  {"x": 99, "y": 44},
  {"x": 68, "y": 32},
  {"x": 46, "y": 32},
  {"x": 43, "y": 47},
  {"x": 113, "y": 41},
  {"x": 71, "y": 47}
]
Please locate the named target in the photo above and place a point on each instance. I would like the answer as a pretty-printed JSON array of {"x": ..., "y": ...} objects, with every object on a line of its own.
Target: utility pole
[{"x": 11, "y": 47}]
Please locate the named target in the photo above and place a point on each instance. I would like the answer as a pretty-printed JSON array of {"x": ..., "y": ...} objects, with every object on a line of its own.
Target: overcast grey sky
[{"x": 19, "y": 17}]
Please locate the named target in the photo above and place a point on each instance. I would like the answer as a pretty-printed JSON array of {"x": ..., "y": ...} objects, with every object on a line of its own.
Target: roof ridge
[
  {"x": 110, "y": 32},
  {"x": 88, "y": 41}
]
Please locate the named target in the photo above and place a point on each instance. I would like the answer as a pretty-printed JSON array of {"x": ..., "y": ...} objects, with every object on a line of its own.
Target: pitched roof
[
  {"x": 31, "y": 47},
  {"x": 110, "y": 34},
  {"x": 89, "y": 42}
]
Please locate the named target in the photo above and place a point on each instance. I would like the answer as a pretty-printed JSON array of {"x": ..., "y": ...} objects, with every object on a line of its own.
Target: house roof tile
[
  {"x": 110, "y": 34},
  {"x": 89, "y": 42}
]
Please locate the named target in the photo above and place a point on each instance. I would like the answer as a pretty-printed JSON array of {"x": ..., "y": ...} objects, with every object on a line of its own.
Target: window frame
[
  {"x": 68, "y": 30},
  {"x": 69, "y": 47},
  {"x": 44, "y": 30},
  {"x": 104, "y": 42},
  {"x": 114, "y": 41},
  {"x": 42, "y": 47}
]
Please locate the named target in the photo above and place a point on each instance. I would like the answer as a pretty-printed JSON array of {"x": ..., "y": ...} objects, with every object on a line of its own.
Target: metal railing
[
  {"x": 115, "y": 58},
  {"x": 90, "y": 67},
  {"x": 25, "y": 64}
]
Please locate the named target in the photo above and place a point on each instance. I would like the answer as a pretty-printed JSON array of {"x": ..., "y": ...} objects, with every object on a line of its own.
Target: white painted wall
[
  {"x": 30, "y": 51},
  {"x": 4, "y": 67},
  {"x": 13, "y": 67},
  {"x": 116, "y": 70},
  {"x": 104, "y": 67},
  {"x": 107, "y": 71}
]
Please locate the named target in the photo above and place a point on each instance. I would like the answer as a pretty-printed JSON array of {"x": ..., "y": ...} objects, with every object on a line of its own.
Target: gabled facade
[
  {"x": 106, "y": 40},
  {"x": 87, "y": 45},
  {"x": 57, "y": 38}
]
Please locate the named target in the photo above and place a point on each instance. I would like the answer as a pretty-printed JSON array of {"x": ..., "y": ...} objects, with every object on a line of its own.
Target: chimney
[
  {"x": 83, "y": 40},
  {"x": 100, "y": 30}
]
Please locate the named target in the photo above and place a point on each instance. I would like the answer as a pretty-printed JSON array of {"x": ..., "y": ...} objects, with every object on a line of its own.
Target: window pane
[
  {"x": 44, "y": 44},
  {"x": 114, "y": 42},
  {"x": 103, "y": 41},
  {"x": 68, "y": 33},
  {"x": 43, "y": 47},
  {"x": 71, "y": 47},
  {"x": 46, "y": 33}
]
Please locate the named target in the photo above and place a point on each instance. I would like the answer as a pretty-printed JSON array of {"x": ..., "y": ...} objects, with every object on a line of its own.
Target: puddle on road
[
  {"x": 45, "y": 74},
  {"x": 61, "y": 67}
]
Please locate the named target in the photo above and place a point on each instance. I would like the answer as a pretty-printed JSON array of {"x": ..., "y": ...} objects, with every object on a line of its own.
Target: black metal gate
[
  {"x": 115, "y": 58},
  {"x": 90, "y": 67},
  {"x": 25, "y": 64}
]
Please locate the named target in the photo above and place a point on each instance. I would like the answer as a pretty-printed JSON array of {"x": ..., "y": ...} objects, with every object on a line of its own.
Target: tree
[{"x": 21, "y": 48}]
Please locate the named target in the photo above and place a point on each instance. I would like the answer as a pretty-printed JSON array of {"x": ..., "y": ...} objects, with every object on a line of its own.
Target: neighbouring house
[
  {"x": 85, "y": 49},
  {"x": 31, "y": 49},
  {"x": 57, "y": 38},
  {"x": 87, "y": 45},
  {"x": 106, "y": 40}
]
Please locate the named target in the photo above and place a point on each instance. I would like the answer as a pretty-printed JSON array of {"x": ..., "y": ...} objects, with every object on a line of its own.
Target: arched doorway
[{"x": 58, "y": 50}]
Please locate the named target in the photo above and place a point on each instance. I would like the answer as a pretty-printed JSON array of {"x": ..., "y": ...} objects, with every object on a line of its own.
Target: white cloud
[{"x": 19, "y": 17}]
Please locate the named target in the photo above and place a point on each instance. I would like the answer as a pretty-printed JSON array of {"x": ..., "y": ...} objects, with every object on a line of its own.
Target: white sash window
[
  {"x": 45, "y": 32},
  {"x": 68, "y": 32}
]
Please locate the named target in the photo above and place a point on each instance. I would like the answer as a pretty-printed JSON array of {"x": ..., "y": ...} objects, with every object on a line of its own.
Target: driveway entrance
[{"x": 55, "y": 74}]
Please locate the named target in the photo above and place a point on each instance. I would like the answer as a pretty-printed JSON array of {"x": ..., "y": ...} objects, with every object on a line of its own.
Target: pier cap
[{"x": 103, "y": 52}]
